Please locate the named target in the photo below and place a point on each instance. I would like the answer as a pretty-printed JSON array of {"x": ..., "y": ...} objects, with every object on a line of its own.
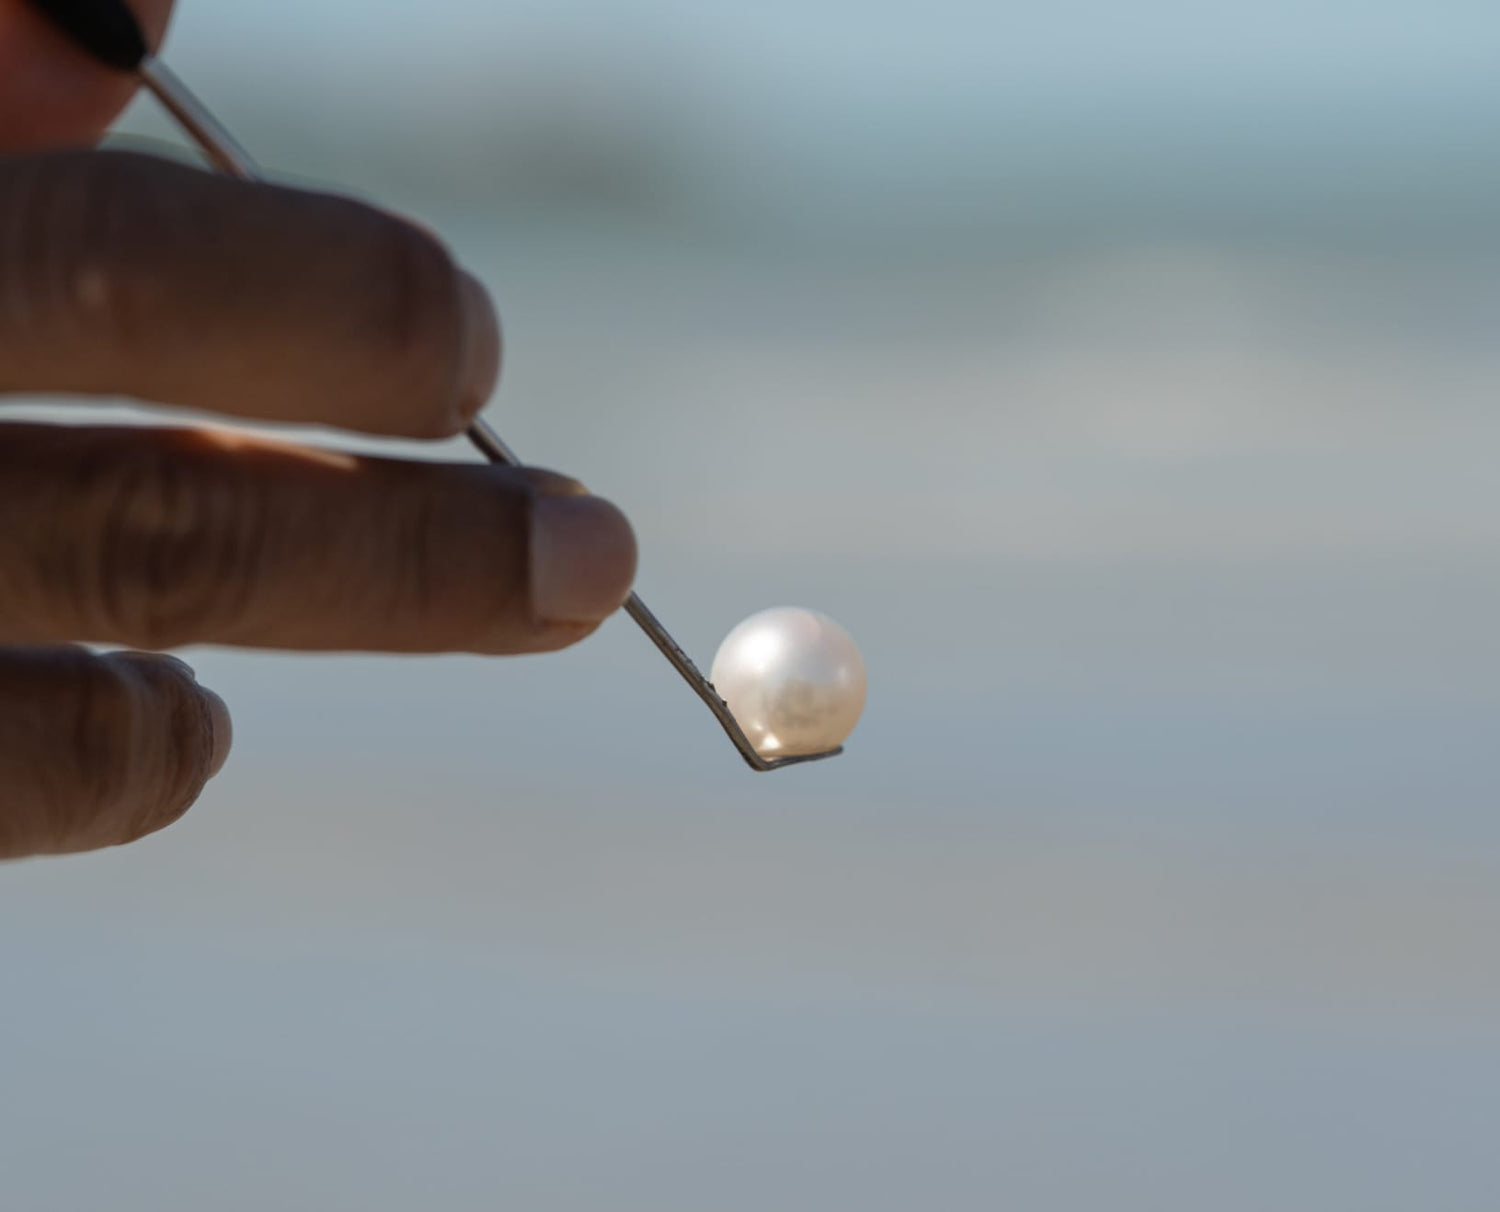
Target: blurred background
[{"x": 1124, "y": 379}]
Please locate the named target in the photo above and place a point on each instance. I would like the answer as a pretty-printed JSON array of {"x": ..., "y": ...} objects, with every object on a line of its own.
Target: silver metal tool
[{"x": 229, "y": 157}]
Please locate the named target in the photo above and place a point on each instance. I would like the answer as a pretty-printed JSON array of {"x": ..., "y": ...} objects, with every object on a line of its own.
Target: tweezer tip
[{"x": 764, "y": 765}]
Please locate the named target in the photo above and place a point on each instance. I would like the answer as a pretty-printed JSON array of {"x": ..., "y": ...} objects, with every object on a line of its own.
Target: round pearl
[{"x": 794, "y": 680}]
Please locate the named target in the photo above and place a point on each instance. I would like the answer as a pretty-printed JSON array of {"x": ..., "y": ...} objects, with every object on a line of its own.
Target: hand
[{"x": 122, "y": 274}]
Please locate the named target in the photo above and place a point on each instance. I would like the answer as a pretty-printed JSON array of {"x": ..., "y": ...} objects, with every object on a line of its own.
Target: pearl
[{"x": 794, "y": 680}]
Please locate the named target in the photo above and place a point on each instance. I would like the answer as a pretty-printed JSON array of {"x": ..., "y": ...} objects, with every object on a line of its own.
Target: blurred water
[{"x": 1163, "y": 869}]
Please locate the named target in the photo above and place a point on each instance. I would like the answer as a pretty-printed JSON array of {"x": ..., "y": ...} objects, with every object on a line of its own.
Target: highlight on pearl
[{"x": 794, "y": 680}]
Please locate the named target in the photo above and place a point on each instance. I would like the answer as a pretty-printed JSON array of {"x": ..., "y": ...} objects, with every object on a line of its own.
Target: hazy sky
[
  {"x": 895, "y": 58},
  {"x": 946, "y": 114}
]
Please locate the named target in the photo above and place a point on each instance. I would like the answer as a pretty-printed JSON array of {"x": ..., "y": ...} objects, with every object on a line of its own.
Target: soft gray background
[{"x": 1124, "y": 378}]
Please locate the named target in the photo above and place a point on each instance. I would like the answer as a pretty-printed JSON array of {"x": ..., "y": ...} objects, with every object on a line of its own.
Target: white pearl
[{"x": 794, "y": 680}]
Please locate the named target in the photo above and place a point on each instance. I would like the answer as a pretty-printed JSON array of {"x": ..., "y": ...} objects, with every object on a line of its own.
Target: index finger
[{"x": 121, "y": 274}]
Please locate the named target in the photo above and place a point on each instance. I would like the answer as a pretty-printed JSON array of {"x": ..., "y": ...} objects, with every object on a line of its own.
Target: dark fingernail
[
  {"x": 223, "y": 732},
  {"x": 582, "y": 559},
  {"x": 481, "y": 345}
]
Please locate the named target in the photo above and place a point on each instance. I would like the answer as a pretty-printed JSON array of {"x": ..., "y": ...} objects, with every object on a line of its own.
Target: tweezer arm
[
  {"x": 221, "y": 148},
  {"x": 233, "y": 160}
]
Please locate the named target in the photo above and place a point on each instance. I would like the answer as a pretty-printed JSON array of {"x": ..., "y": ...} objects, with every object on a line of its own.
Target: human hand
[{"x": 122, "y": 274}]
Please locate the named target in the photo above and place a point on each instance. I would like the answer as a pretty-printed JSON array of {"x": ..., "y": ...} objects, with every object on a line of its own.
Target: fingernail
[
  {"x": 223, "y": 732},
  {"x": 481, "y": 345},
  {"x": 582, "y": 559}
]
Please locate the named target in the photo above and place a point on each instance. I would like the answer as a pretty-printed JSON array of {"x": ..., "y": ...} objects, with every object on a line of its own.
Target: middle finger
[{"x": 155, "y": 538}]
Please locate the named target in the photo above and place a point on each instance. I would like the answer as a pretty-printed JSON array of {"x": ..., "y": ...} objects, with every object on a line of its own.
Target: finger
[
  {"x": 155, "y": 538},
  {"x": 126, "y": 275},
  {"x": 100, "y": 750},
  {"x": 51, "y": 93}
]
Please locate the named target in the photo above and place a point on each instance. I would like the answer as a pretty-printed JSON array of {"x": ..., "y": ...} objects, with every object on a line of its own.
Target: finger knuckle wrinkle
[
  {"x": 131, "y": 774},
  {"x": 102, "y": 743},
  {"x": 175, "y": 556}
]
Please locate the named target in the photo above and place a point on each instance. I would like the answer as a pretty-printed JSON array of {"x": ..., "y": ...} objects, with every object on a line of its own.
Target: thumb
[{"x": 51, "y": 93}]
